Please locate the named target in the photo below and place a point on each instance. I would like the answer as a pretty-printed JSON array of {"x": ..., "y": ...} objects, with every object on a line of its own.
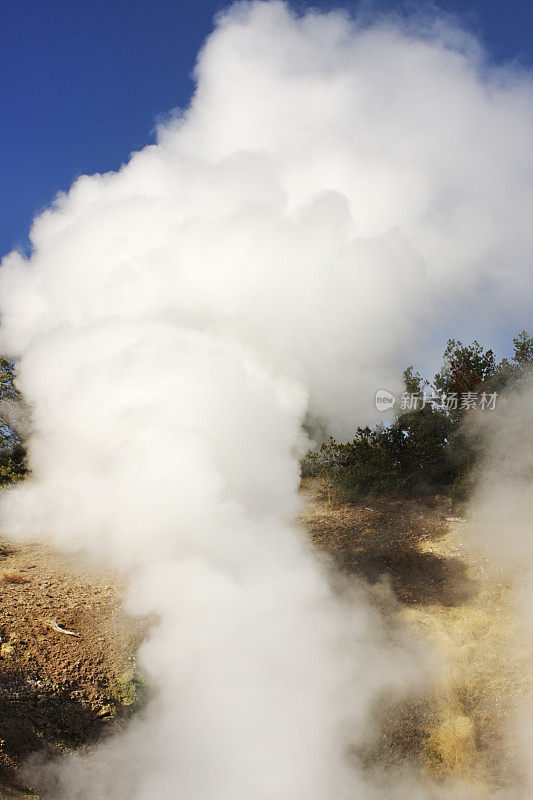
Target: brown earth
[
  {"x": 59, "y": 690},
  {"x": 383, "y": 536}
]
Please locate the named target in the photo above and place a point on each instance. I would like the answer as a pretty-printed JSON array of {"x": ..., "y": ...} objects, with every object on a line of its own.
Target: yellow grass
[
  {"x": 13, "y": 576},
  {"x": 462, "y": 728},
  {"x": 485, "y": 678},
  {"x": 452, "y": 744}
]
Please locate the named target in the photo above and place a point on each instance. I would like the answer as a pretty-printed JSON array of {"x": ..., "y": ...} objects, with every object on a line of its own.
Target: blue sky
[{"x": 83, "y": 82}]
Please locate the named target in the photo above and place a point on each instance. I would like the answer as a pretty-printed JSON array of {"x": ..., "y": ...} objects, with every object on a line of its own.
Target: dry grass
[
  {"x": 485, "y": 679},
  {"x": 13, "y": 576},
  {"x": 461, "y": 605},
  {"x": 451, "y": 745}
]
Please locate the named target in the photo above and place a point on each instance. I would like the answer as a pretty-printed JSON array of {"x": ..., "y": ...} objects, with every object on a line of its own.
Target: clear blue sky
[{"x": 82, "y": 82}]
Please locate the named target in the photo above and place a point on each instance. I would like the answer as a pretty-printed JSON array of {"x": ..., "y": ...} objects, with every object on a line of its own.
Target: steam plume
[
  {"x": 501, "y": 520},
  {"x": 328, "y": 193}
]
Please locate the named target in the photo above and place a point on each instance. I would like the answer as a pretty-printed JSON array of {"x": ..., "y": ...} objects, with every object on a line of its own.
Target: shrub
[{"x": 430, "y": 446}]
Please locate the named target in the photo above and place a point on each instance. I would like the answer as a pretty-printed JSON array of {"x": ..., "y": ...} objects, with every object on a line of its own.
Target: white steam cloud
[
  {"x": 333, "y": 193},
  {"x": 503, "y": 500},
  {"x": 501, "y": 511}
]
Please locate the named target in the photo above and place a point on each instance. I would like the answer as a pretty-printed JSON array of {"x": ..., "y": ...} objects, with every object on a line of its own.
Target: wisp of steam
[{"x": 336, "y": 193}]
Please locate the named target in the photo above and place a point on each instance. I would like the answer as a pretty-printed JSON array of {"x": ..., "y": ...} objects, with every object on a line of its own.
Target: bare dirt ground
[{"x": 59, "y": 691}]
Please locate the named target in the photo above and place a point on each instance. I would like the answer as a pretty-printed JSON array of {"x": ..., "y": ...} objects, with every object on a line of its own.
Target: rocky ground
[{"x": 67, "y": 651}]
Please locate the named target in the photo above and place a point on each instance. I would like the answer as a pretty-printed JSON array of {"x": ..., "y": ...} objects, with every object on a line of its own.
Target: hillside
[
  {"x": 430, "y": 582},
  {"x": 59, "y": 690}
]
